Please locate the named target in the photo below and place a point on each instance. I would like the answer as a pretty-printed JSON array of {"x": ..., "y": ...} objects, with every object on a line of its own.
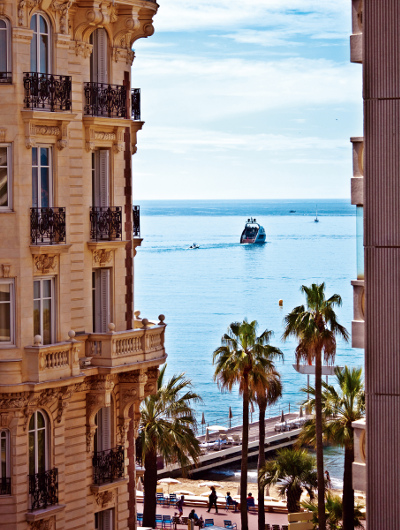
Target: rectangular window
[
  {"x": 104, "y": 520},
  {"x": 42, "y": 178},
  {"x": 7, "y": 311},
  {"x": 5, "y": 177},
  {"x": 44, "y": 309}
]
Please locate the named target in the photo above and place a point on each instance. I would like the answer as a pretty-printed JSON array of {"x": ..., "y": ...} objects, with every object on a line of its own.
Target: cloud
[{"x": 187, "y": 15}]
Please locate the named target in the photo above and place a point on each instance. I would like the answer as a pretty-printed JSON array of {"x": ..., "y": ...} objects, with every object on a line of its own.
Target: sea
[{"x": 202, "y": 291}]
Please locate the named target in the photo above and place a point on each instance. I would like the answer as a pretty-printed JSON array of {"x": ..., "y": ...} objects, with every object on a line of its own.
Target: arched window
[
  {"x": 40, "y": 45},
  {"x": 5, "y": 467},
  {"x": 5, "y": 51},
  {"x": 38, "y": 443}
]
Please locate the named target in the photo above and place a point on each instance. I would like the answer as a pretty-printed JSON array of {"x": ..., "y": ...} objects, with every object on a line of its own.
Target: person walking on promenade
[
  {"x": 212, "y": 500},
  {"x": 179, "y": 505}
]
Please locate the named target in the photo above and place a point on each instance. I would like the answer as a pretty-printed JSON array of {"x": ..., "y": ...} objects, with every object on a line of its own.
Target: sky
[{"x": 249, "y": 99}]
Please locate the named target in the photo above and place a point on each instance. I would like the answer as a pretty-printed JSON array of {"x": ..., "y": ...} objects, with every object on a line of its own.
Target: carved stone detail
[
  {"x": 3, "y": 132},
  {"x": 104, "y": 498},
  {"x": 37, "y": 401},
  {"x": 83, "y": 48},
  {"x": 14, "y": 401},
  {"x": 22, "y": 5},
  {"x": 104, "y": 136},
  {"x": 6, "y": 270},
  {"x": 102, "y": 257},
  {"x": 43, "y": 524},
  {"x": 46, "y": 130},
  {"x": 62, "y": 7},
  {"x": 44, "y": 263},
  {"x": 33, "y": 129}
]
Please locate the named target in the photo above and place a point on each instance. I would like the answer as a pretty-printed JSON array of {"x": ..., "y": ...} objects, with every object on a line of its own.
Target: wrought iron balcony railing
[
  {"x": 43, "y": 489},
  {"x": 47, "y": 92},
  {"x": 136, "y": 221},
  {"x": 5, "y": 78},
  {"x": 135, "y": 101},
  {"x": 47, "y": 226},
  {"x": 109, "y": 465},
  {"x": 102, "y": 99},
  {"x": 105, "y": 223},
  {"x": 5, "y": 486}
]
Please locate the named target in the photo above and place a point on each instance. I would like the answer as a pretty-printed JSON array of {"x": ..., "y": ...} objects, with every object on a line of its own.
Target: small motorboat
[
  {"x": 316, "y": 220},
  {"x": 193, "y": 246},
  {"x": 253, "y": 233}
]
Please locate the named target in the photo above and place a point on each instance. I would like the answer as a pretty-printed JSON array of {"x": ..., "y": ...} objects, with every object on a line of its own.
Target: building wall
[
  {"x": 81, "y": 371},
  {"x": 382, "y": 253}
]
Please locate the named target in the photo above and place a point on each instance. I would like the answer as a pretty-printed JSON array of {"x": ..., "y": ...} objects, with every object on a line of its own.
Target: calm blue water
[{"x": 202, "y": 291}]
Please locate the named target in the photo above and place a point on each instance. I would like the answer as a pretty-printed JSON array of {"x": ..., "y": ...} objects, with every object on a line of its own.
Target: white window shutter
[
  {"x": 106, "y": 428},
  {"x": 105, "y": 299},
  {"x": 104, "y": 178},
  {"x": 102, "y": 56}
]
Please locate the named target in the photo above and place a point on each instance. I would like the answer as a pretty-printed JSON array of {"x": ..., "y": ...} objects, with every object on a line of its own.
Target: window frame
[
  {"x": 53, "y": 315},
  {"x": 36, "y": 35},
  {"x": 11, "y": 283},
  {"x": 35, "y": 430},
  {"x": 8, "y": 454},
  {"x": 7, "y": 29},
  {"x": 9, "y": 206},
  {"x": 39, "y": 167}
]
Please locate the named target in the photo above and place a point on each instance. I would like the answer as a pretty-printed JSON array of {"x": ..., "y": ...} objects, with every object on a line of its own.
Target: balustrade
[
  {"x": 52, "y": 361},
  {"x": 47, "y": 226},
  {"x": 43, "y": 489},
  {"x": 47, "y": 92},
  {"x": 104, "y": 100},
  {"x": 105, "y": 223},
  {"x": 108, "y": 465}
]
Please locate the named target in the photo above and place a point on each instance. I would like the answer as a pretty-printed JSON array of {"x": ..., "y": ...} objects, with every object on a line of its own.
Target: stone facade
[{"x": 74, "y": 361}]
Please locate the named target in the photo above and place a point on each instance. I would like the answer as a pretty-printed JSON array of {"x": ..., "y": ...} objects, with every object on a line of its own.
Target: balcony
[
  {"x": 52, "y": 361},
  {"x": 43, "y": 489},
  {"x": 5, "y": 78},
  {"x": 126, "y": 347},
  {"x": 47, "y": 92},
  {"x": 104, "y": 100},
  {"x": 135, "y": 103},
  {"x": 105, "y": 223},
  {"x": 47, "y": 226},
  {"x": 108, "y": 466},
  {"x": 5, "y": 486},
  {"x": 136, "y": 221}
]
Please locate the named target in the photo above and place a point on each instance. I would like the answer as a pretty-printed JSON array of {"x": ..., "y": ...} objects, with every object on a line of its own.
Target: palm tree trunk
[
  {"x": 318, "y": 429},
  {"x": 293, "y": 496},
  {"x": 348, "y": 492},
  {"x": 150, "y": 488},
  {"x": 245, "y": 447},
  {"x": 261, "y": 462}
]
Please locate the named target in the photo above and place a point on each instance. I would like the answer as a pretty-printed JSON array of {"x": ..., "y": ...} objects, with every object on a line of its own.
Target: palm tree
[
  {"x": 240, "y": 352},
  {"x": 295, "y": 471},
  {"x": 167, "y": 426},
  {"x": 340, "y": 408},
  {"x": 316, "y": 327},
  {"x": 268, "y": 389},
  {"x": 334, "y": 512}
]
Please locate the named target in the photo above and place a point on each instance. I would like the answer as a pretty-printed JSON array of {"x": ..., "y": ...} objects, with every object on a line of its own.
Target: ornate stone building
[{"x": 74, "y": 361}]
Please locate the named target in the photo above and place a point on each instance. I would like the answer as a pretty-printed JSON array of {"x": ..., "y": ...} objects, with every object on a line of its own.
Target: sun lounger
[
  {"x": 209, "y": 522},
  {"x": 229, "y": 525}
]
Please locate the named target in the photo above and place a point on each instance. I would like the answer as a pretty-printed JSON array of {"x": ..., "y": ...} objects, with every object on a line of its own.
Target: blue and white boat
[{"x": 253, "y": 233}]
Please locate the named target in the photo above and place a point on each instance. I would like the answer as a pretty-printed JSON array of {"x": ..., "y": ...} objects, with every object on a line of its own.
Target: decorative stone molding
[
  {"x": 97, "y": 398},
  {"x": 123, "y": 54},
  {"x": 135, "y": 127},
  {"x": 3, "y": 132},
  {"x": 102, "y": 257},
  {"x": 38, "y": 400},
  {"x": 61, "y": 7},
  {"x": 6, "y": 270},
  {"x": 82, "y": 48},
  {"x": 43, "y": 524},
  {"x": 22, "y": 6},
  {"x": 131, "y": 392},
  {"x": 104, "y": 498},
  {"x": 45, "y": 263},
  {"x": 105, "y": 132},
  {"x": 22, "y": 35},
  {"x": 14, "y": 401},
  {"x": 51, "y": 125}
]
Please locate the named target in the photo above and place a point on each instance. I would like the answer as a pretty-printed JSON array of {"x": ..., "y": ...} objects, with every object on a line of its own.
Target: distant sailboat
[{"x": 316, "y": 220}]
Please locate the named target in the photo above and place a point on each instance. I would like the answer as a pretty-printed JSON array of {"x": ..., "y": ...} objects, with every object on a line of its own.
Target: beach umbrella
[
  {"x": 206, "y": 438},
  {"x": 169, "y": 481},
  {"x": 209, "y": 483},
  {"x": 230, "y": 417},
  {"x": 139, "y": 486},
  {"x": 203, "y": 422},
  {"x": 217, "y": 428},
  {"x": 282, "y": 417},
  {"x": 301, "y": 412},
  {"x": 184, "y": 492}
]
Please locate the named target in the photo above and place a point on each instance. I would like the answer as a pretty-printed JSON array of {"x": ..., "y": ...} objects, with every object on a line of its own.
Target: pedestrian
[
  {"x": 328, "y": 479},
  {"x": 179, "y": 505},
  {"x": 212, "y": 500}
]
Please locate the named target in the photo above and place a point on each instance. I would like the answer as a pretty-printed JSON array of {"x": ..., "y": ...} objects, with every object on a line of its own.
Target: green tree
[
  {"x": 240, "y": 353},
  {"x": 167, "y": 428},
  {"x": 295, "y": 471},
  {"x": 267, "y": 387},
  {"x": 316, "y": 327},
  {"x": 334, "y": 512},
  {"x": 340, "y": 407}
]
